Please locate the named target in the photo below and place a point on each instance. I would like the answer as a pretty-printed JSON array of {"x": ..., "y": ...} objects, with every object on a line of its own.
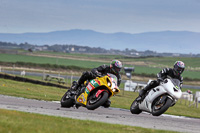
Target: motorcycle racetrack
[{"x": 108, "y": 115}]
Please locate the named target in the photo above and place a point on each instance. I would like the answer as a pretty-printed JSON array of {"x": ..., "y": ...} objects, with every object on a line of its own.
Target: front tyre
[
  {"x": 135, "y": 107},
  {"x": 159, "y": 108},
  {"x": 66, "y": 100},
  {"x": 94, "y": 103}
]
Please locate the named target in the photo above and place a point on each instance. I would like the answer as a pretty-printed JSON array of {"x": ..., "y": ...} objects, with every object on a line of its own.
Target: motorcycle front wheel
[
  {"x": 94, "y": 103},
  {"x": 66, "y": 100},
  {"x": 159, "y": 108},
  {"x": 135, "y": 107}
]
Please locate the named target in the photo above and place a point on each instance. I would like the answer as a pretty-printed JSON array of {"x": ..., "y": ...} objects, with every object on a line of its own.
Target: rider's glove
[
  {"x": 98, "y": 74},
  {"x": 160, "y": 80}
]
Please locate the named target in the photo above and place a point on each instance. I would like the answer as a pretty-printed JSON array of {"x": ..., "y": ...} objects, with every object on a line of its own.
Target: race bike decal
[
  {"x": 91, "y": 85},
  {"x": 81, "y": 98},
  {"x": 95, "y": 83}
]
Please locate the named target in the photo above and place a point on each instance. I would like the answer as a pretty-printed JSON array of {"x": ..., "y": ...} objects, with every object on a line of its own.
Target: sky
[{"x": 106, "y": 16}]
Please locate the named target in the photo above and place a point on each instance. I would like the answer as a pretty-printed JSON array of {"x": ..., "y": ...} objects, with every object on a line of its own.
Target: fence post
[
  {"x": 59, "y": 74},
  {"x": 71, "y": 79},
  {"x": 185, "y": 97},
  {"x": 197, "y": 95},
  {"x": 13, "y": 68},
  {"x": 189, "y": 99},
  {"x": 66, "y": 79},
  {"x": 196, "y": 102},
  {"x": 43, "y": 77}
]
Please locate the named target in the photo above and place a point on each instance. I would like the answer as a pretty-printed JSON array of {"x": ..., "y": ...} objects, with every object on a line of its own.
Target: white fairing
[{"x": 166, "y": 87}]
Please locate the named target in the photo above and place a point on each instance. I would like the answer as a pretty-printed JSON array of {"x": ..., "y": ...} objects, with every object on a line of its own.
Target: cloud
[{"x": 109, "y": 16}]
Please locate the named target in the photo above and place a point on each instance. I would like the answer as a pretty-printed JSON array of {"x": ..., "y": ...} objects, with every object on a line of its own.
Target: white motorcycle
[{"x": 158, "y": 99}]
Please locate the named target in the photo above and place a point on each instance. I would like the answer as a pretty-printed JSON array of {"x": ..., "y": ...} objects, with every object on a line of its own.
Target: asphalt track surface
[{"x": 108, "y": 115}]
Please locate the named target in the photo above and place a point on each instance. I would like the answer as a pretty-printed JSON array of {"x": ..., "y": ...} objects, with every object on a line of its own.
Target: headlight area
[
  {"x": 109, "y": 82},
  {"x": 115, "y": 90}
]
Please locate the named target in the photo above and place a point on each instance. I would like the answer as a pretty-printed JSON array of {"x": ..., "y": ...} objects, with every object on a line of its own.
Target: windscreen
[
  {"x": 176, "y": 82},
  {"x": 113, "y": 78}
]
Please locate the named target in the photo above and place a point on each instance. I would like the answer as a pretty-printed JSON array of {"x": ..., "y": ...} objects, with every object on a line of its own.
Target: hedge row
[
  {"x": 22, "y": 79},
  {"x": 43, "y": 66}
]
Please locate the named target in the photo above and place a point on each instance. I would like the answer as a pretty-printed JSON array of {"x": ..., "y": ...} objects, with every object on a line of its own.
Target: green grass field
[
  {"x": 20, "y": 122},
  {"x": 149, "y": 70},
  {"x": 192, "y": 70},
  {"x": 166, "y": 61},
  {"x": 158, "y": 61},
  {"x": 169, "y": 61},
  {"x": 192, "y": 62},
  {"x": 47, "y": 60}
]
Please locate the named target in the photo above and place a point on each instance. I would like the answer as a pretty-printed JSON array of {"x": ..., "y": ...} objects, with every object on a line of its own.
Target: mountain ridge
[{"x": 163, "y": 41}]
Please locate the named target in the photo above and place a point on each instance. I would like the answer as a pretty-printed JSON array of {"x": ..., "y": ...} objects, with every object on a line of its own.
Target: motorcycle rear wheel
[
  {"x": 95, "y": 103},
  {"x": 158, "y": 108},
  {"x": 66, "y": 100},
  {"x": 135, "y": 107}
]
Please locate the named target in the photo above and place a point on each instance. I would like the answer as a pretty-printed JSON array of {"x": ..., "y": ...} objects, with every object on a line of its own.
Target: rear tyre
[
  {"x": 135, "y": 107},
  {"x": 159, "y": 108},
  {"x": 94, "y": 103},
  {"x": 66, "y": 100}
]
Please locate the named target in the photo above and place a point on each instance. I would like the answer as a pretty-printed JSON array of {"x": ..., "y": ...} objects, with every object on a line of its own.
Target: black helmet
[
  {"x": 115, "y": 66},
  {"x": 179, "y": 67}
]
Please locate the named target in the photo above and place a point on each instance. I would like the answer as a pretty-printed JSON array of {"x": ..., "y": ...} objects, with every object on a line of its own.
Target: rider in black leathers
[
  {"x": 114, "y": 68},
  {"x": 175, "y": 72}
]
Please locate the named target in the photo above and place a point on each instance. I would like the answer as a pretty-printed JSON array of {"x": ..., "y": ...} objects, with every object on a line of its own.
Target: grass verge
[{"x": 20, "y": 122}]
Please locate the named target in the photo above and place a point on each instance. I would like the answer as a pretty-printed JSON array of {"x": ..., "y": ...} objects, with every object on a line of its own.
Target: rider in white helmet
[{"x": 175, "y": 72}]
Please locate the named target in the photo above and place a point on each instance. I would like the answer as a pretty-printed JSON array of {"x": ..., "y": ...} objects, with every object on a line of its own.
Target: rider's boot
[
  {"x": 107, "y": 104},
  {"x": 144, "y": 90},
  {"x": 74, "y": 86},
  {"x": 76, "y": 106},
  {"x": 152, "y": 84}
]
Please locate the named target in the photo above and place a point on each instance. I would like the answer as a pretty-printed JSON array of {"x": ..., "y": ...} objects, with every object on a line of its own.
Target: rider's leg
[
  {"x": 85, "y": 76},
  {"x": 151, "y": 85},
  {"x": 144, "y": 90},
  {"x": 74, "y": 85}
]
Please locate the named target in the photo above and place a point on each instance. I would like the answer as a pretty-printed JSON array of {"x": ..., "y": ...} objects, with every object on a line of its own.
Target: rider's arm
[
  {"x": 181, "y": 81},
  {"x": 163, "y": 74},
  {"x": 119, "y": 80},
  {"x": 99, "y": 70}
]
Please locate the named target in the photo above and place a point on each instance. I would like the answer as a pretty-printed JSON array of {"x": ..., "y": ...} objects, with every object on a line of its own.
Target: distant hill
[{"x": 165, "y": 41}]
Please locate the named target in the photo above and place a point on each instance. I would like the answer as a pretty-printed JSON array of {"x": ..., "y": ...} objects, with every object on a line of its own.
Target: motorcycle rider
[
  {"x": 114, "y": 68},
  {"x": 175, "y": 72}
]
